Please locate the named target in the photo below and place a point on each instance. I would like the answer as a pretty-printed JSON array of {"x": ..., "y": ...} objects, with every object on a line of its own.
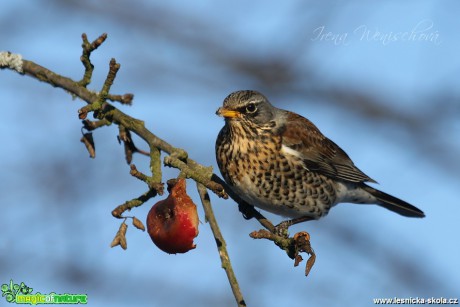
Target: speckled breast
[{"x": 266, "y": 177}]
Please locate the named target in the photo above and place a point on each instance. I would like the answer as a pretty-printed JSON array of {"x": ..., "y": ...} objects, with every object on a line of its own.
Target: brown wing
[{"x": 318, "y": 152}]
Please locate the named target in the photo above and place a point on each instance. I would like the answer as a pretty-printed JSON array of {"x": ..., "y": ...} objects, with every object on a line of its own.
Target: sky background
[{"x": 379, "y": 79}]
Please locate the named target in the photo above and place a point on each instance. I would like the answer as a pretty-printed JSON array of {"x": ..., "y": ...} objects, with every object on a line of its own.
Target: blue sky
[{"x": 56, "y": 202}]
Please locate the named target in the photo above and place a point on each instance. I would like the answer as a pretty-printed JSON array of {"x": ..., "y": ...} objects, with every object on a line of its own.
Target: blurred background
[{"x": 380, "y": 79}]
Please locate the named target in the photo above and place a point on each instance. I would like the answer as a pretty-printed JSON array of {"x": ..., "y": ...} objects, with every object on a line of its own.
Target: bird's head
[{"x": 247, "y": 107}]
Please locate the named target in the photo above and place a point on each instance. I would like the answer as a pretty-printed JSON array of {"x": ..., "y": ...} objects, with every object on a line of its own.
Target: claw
[{"x": 282, "y": 228}]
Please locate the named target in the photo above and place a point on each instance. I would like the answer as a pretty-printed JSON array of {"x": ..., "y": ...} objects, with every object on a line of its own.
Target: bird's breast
[{"x": 271, "y": 176}]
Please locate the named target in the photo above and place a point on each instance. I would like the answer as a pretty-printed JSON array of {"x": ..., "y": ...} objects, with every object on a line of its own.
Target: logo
[{"x": 21, "y": 294}]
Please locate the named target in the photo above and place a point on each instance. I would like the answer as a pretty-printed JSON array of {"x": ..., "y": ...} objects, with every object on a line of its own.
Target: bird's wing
[{"x": 318, "y": 153}]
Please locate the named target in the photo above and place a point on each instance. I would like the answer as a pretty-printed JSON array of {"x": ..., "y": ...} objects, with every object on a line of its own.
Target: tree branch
[
  {"x": 178, "y": 158},
  {"x": 221, "y": 245}
]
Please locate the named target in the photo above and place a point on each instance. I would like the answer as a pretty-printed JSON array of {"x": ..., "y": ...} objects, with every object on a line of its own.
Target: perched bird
[{"x": 280, "y": 162}]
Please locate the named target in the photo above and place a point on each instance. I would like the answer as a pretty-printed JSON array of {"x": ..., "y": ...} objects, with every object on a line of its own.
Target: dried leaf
[
  {"x": 302, "y": 240},
  {"x": 87, "y": 139},
  {"x": 120, "y": 237},
  {"x": 82, "y": 114},
  {"x": 123, "y": 243},
  {"x": 310, "y": 263},
  {"x": 123, "y": 229},
  {"x": 138, "y": 224},
  {"x": 115, "y": 241}
]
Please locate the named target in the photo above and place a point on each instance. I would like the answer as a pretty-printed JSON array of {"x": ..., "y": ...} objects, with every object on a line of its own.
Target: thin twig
[
  {"x": 123, "y": 99},
  {"x": 136, "y": 202},
  {"x": 85, "y": 57},
  {"x": 221, "y": 245}
]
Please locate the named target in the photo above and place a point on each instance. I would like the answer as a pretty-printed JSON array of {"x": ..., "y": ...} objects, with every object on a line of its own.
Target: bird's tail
[{"x": 394, "y": 204}]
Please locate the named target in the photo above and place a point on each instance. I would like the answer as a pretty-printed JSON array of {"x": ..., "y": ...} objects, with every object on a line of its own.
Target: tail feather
[{"x": 394, "y": 204}]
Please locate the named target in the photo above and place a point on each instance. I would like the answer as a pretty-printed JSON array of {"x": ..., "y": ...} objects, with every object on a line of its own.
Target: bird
[{"x": 280, "y": 162}]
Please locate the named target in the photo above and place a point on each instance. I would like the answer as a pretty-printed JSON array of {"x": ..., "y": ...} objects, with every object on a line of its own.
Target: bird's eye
[{"x": 251, "y": 108}]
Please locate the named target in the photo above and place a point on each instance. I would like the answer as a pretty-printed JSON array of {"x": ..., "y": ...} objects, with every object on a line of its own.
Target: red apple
[{"x": 172, "y": 223}]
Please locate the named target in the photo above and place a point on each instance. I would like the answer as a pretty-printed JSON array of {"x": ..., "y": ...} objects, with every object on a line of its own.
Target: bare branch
[
  {"x": 221, "y": 245},
  {"x": 177, "y": 158},
  {"x": 85, "y": 57}
]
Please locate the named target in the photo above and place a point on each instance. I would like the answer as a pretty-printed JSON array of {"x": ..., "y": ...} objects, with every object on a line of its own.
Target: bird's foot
[
  {"x": 247, "y": 210},
  {"x": 282, "y": 228}
]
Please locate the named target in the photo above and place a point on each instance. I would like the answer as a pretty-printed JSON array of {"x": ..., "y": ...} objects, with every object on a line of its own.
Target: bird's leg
[
  {"x": 247, "y": 210},
  {"x": 282, "y": 228}
]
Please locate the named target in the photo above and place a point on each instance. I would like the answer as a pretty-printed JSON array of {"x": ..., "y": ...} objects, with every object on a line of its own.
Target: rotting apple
[{"x": 172, "y": 223}]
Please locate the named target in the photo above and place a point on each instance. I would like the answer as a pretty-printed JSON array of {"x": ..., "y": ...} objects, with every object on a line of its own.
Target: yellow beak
[{"x": 227, "y": 113}]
